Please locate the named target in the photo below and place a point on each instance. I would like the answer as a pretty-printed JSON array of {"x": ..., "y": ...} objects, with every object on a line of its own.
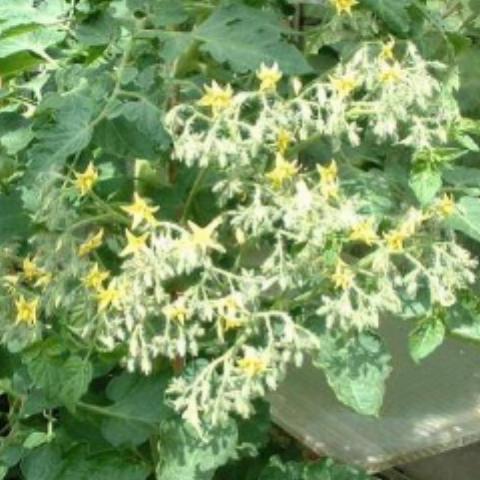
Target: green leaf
[
  {"x": 138, "y": 407},
  {"x": 425, "y": 184},
  {"x": 14, "y": 13},
  {"x": 36, "y": 41},
  {"x": 425, "y": 338},
  {"x": 467, "y": 218},
  {"x": 63, "y": 379},
  {"x": 69, "y": 133},
  {"x": 43, "y": 463},
  {"x": 79, "y": 465},
  {"x": 356, "y": 367},
  {"x": 464, "y": 176},
  {"x": 243, "y": 37},
  {"x": 321, "y": 470},
  {"x": 134, "y": 129},
  {"x": 393, "y": 12},
  {"x": 14, "y": 222},
  {"x": 35, "y": 439},
  {"x": 15, "y": 132},
  {"x": 463, "y": 319},
  {"x": 330, "y": 470},
  {"x": 184, "y": 456},
  {"x": 278, "y": 470}
]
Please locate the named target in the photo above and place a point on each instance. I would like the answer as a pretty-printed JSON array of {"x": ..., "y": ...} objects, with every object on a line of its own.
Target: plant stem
[{"x": 195, "y": 187}]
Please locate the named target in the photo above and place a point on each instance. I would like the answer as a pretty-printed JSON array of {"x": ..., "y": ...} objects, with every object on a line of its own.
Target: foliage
[{"x": 195, "y": 195}]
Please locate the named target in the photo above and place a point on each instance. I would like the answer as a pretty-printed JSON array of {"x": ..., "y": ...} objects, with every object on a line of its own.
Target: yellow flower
[
  {"x": 253, "y": 364},
  {"x": 269, "y": 77},
  {"x": 344, "y": 5},
  {"x": 446, "y": 206},
  {"x": 216, "y": 97},
  {"x": 342, "y": 277},
  {"x": 176, "y": 311},
  {"x": 135, "y": 243},
  {"x": 329, "y": 179},
  {"x": 395, "y": 239},
  {"x": 231, "y": 312},
  {"x": 30, "y": 270},
  {"x": 26, "y": 311},
  {"x": 284, "y": 139},
  {"x": 344, "y": 85},
  {"x": 387, "y": 51},
  {"x": 364, "y": 232},
  {"x": 44, "y": 280},
  {"x": 86, "y": 181},
  {"x": 91, "y": 243},
  {"x": 203, "y": 237},
  {"x": 282, "y": 172},
  {"x": 108, "y": 297},
  {"x": 140, "y": 211},
  {"x": 95, "y": 277},
  {"x": 391, "y": 73}
]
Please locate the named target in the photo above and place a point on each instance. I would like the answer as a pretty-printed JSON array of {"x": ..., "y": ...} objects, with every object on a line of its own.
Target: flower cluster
[{"x": 297, "y": 241}]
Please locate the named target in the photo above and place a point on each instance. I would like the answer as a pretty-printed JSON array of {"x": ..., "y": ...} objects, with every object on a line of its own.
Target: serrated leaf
[
  {"x": 393, "y": 12},
  {"x": 36, "y": 41},
  {"x": 463, "y": 320},
  {"x": 426, "y": 184},
  {"x": 70, "y": 132},
  {"x": 43, "y": 463},
  {"x": 79, "y": 465},
  {"x": 134, "y": 129},
  {"x": 186, "y": 457},
  {"x": 465, "y": 176},
  {"x": 138, "y": 407},
  {"x": 425, "y": 338},
  {"x": 14, "y": 222},
  {"x": 356, "y": 367},
  {"x": 14, "y": 13},
  {"x": 467, "y": 218},
  {"x": 243, "y": 37},
  {"x": 62, "y": 379}
]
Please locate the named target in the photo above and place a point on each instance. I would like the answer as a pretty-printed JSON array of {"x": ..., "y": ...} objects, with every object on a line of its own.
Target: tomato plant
[{"x": 198, "y": 195}]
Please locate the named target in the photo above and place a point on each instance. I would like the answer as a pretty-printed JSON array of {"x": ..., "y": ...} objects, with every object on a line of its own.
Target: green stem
[
  {"x": 112, "y": 212},
  {"x": 195, "y": 187},
  {"x": 106, "y": 412}
]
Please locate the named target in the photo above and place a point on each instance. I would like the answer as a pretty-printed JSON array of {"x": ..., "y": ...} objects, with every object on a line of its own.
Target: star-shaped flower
[
  {"x": 203, "y": 238},
  {"x": 364, "y": 231},
  {"x": 342, "y": 277},
  {"x": 108, "y": 297},
  {"x": 91, "y": 243},
  {"x": 26, "y": 311},
  {"x": 269, "y": 77},
  {"x": 95, "y": 277},
  {"x": 216, "y": 97},
  {"x": 282, "y": 172},
  {"x": 135, "y": 244},
  {"x": 344, "y": 6},
  {"x": 344, "y": 85},
  {"x": 140, "y": 211},
  {"x": 85, "y": 181}
]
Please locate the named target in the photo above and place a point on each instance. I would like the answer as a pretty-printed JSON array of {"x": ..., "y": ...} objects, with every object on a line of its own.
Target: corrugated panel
[{"x": 429, "y": 408}]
